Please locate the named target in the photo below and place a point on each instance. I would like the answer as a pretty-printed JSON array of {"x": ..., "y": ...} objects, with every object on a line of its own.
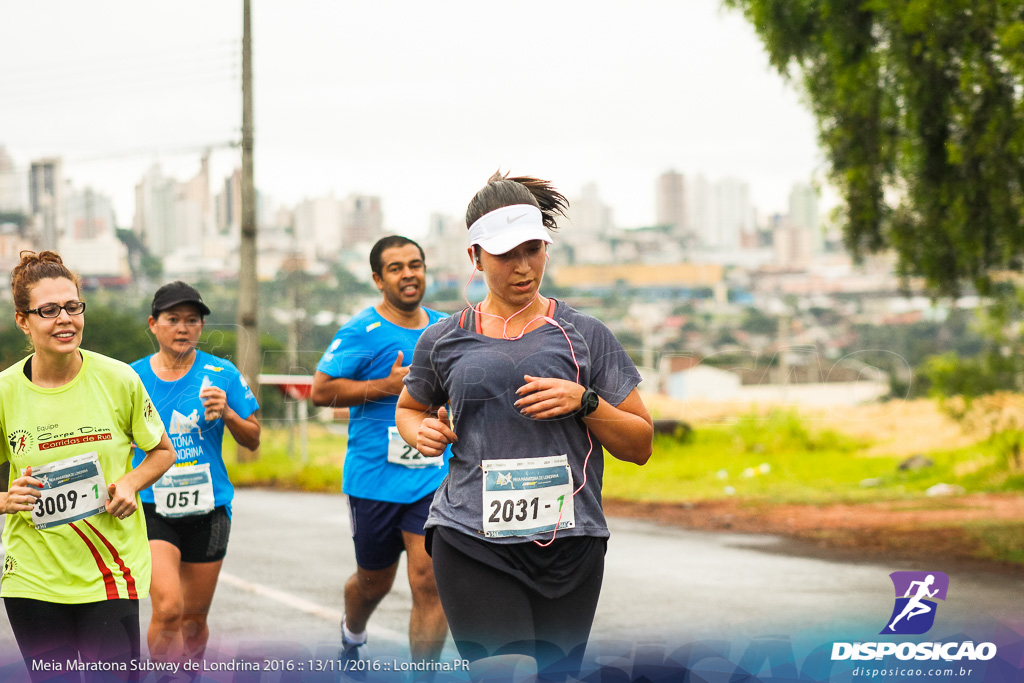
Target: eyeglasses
[{"x": 53, "y": 310}]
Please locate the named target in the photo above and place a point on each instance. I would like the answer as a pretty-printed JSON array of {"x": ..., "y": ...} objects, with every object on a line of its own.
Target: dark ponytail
[{"x": 501, "y": 191}]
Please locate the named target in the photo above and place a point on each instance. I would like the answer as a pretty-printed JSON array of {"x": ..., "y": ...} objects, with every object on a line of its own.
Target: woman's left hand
[
  {"x": 122, "y": 498},
  {"x": 544, "y": 397}
]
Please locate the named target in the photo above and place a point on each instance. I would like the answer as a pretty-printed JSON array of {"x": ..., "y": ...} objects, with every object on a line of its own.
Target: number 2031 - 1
[{"x": 517, "y": 509}]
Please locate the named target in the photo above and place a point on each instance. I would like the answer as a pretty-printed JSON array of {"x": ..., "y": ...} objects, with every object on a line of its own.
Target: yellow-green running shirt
[{"x": 104, "y": 409}]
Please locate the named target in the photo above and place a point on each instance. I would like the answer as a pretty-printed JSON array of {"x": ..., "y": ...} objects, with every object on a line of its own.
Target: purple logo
[{"x": 916, "y": 592}]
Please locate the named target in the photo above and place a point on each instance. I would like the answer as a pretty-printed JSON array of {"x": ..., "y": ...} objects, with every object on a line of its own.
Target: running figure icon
[{"x": 915, "y": 606}]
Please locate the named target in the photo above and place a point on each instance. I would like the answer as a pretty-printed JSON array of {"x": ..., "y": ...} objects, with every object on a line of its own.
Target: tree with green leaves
[
  {"x": 142, "y": 263},
  {"x": 920, "y": 110},
  {"x": 998, "y": 365},
  {"x": 15, "y": 217}
]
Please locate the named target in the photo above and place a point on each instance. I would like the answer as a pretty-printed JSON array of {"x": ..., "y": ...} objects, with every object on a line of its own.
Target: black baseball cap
[{"x": 178, "y": 292}]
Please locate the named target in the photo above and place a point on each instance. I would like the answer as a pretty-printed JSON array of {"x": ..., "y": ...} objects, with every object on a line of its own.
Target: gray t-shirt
[{"x": 478, "y": 376}]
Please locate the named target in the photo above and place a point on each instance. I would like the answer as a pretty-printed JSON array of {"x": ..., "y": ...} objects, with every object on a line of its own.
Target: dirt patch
[{"x": 912, "y": 530}]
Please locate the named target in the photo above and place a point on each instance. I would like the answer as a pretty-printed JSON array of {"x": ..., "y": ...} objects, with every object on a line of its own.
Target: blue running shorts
[{"x": 377, "y": 528}]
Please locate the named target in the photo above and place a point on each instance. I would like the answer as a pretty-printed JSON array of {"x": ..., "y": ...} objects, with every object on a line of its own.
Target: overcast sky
[{"x": 417, "y": 102}]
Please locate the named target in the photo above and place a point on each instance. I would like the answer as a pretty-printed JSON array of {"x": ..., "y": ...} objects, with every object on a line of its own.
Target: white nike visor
[{"x": 506, "y": 228}]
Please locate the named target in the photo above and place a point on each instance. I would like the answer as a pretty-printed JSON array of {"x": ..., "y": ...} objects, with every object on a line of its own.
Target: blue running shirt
[
  {"x": 195, "y": 440},
  {"x": 365, "y": 348}
]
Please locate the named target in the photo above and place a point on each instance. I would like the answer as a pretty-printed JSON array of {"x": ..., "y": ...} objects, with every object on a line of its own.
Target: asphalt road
[{"x": 290, "y": 553}]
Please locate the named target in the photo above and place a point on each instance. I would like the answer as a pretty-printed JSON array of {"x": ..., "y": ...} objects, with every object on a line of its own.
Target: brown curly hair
[{"x": 33, "y": 268}]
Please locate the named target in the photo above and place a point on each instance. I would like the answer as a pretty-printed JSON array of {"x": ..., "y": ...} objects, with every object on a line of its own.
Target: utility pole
[{"x": 248, "y": 350}]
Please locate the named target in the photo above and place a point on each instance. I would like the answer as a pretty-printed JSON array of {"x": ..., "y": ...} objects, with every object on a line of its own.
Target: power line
[
  {"x": 159, "y": 151},
  {"x": 178, "y": 150},
  {"x": 124, "y": 89},
  {"x": 126, "y": 71},
  {"x": 130, "y": 71},
  {"x": 29, "y": 70},
  {"x": 141, "y": 78}
]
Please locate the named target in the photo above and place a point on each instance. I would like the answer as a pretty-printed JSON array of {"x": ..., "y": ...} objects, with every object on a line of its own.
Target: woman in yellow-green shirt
[{"x": 77, "y": 557}]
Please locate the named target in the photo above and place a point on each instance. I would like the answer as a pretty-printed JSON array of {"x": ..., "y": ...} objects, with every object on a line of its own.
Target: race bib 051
[{"x": 184, "y": 491}]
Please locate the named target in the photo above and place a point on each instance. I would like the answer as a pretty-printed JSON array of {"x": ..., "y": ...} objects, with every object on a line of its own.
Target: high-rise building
[
  {"x": 670, "y": 197},
  {"x": 177, "y": 222},
  {"x": 14, "y": 236},
  {"x": 318, "y": 227},
  {"x": 362, "y": 220},
  {"x": 803, "y": 214},
  {"x": 46, "y": 200},
  {"x": 229, "y": 205},
  {"x": 155, "y": 197},
  {"x": 90, "y": 215},
  {"x": 734, "y": 215},
  {"x": 589, "y": 214},
  {"x": 591, "y": 224},
  {"x": 12, "y": 197},
  {"x": 791, "y": 243},
  {"x": 701, "y": 210},
  {"x": 90, "y": 246},
  {"x": 194, "y": 219},
  {"x": 445, "y": 249}
]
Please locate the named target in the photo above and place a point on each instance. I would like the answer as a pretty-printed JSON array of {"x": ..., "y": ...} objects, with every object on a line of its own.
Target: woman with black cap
[
  {"x": 536, "y": 389},
  {"x": 188, "y": 512}
]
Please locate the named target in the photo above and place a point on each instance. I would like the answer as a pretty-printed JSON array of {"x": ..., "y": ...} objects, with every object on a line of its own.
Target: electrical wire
[
  {"x": 141, "y": 74},
  {"x": 150, "y": 58},
  {"x": 120, "y": 89},
  {"x": 180, "y": 150},
  {"x": 125, "y": 73}
]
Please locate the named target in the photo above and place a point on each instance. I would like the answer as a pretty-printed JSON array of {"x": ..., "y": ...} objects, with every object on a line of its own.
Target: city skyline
[
  {"x": 191, "y": 227},
  {"x": 418, "y": 114}
]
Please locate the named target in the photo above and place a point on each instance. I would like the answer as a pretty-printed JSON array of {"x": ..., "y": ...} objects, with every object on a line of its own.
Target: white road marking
[{"x": 303, "y": 605}]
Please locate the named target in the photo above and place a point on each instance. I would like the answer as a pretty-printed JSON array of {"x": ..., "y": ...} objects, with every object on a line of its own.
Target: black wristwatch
[{"x": 588, "y": 403}]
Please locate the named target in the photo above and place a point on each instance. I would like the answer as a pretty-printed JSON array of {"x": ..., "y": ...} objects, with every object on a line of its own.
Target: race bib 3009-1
[{"x": 73, "y": 489}]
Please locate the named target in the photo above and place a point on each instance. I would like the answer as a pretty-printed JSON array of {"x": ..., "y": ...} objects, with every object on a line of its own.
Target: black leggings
[
  {"x": 492, "y": 613},
  {"x": 105, "y": 631}
]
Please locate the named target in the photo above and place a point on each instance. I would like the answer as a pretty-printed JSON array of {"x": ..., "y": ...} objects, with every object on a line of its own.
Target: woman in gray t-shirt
[{"x": 536, "y": 390}]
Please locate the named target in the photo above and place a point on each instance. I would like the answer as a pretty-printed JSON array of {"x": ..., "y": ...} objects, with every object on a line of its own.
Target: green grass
[
  {"x": 763, "y": 460},
  {"x": 998, "y": 540},
  {"x": 778, "y": 460},
  {"x": 277, "y": 469},
  {"x": 774, "y": 460}
]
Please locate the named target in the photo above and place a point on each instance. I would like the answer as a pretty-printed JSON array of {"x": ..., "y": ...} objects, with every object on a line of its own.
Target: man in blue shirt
[{"x": 389, "y": 485}]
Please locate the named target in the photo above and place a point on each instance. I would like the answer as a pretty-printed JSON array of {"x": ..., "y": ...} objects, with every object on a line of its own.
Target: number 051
[{"x": 181, "y": 499}]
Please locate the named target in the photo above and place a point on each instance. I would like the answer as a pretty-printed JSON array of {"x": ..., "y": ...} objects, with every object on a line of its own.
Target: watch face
[{"x": 590, "y": 401}]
